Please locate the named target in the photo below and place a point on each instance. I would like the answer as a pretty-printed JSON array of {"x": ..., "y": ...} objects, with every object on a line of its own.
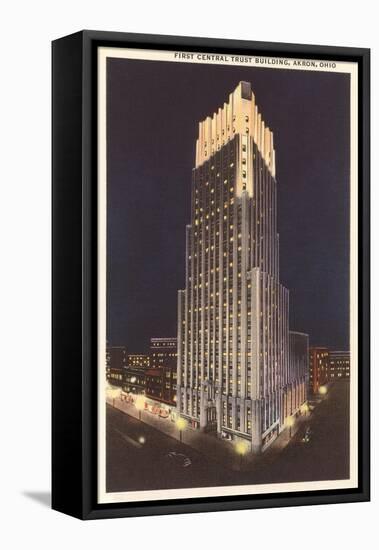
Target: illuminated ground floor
[{"x": 257, "y": 423}]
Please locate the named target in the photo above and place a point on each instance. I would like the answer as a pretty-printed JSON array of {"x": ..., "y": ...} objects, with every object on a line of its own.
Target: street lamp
[
  {"x": 181, "y": 424},
  {"x": 241, "y": 448},
  {"x": 140, "y": 405},
  {"x": 323, "y": 390},
  {"x": 290, "y": 421}
]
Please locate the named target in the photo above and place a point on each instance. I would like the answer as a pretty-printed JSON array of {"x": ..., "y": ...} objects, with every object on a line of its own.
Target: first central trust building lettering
[{"x": 212, "y": 57}]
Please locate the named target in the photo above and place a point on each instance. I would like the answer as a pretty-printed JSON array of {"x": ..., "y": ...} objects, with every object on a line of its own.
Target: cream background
[{"x": 28, "y": 27}]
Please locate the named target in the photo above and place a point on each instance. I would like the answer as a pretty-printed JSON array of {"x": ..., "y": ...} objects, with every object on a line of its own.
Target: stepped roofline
[{"x": 239, "y": 115}]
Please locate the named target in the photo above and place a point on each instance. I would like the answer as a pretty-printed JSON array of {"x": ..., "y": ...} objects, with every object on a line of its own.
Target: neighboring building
[
  {"x": 297, "y": 378},
  {"x": 134, "y": 381},
  {"x": 115, "y": 376},
  {"x": 161, "y": 385},
  {"x": 163, "y": 352},
  {"x": 116, "y": 356},
  {"x": 318, "y": 368},
  {"x": 339, "y": 365},
  {"x": 138, "y": 361},
  {"x": 161, "y": 381},
  {"x": 233, "y": 334},
  {"x": 116, "y": 360},
  {"x": 154, "y": 384}
]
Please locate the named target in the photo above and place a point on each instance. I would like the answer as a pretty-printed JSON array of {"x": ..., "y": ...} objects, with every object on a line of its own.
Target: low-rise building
[
  {"x": 161, "y": 385},
  {"x": 134, "y": 381},
  {"x": 138, "y": 360},
  {"x": 115, "y": 376},
  {"x": 161, "y": 379},
  {"x": 318, "y": 368},
  {"x": 339, "y": 365},
  {"x": 154, "y": 384},
  {"x": 116, "y": 361},
  {"x": 163, "y": 353},
  {"x": 116, "y": 356}
]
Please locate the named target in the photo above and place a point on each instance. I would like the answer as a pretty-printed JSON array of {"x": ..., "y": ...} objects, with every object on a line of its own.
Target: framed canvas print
[{"x": 210, "y": 274}]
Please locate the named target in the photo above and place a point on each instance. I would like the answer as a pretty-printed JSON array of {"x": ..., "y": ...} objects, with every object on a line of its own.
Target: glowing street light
[
  {"x": 181, "y": 424},
  {"x": 290, "y": 422},
  {"x": 323, "y": 390},
  {"x": 241, "y": 448},
  {"x": 140, "y": 405}
]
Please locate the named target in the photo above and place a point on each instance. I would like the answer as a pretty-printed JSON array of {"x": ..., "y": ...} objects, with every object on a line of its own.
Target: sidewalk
[{"x": 221, "y": 451}]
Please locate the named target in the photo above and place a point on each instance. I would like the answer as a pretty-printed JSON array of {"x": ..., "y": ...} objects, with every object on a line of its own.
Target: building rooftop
[{"x": 239, "y": 115}]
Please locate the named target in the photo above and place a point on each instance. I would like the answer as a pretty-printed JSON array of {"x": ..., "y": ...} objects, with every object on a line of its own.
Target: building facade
[
  {"x": 163, "y": 352},
  {"x": 134, "y": 381},
  {"x": 138, "y": 361},
  {"x": 318, "y": 368},
  {"x": 115, "y": 376},
  {"x": 339, "y": 365},
  {"x": 233, "y": 333},
  {"x": 116, "y": 361},
  {"x": 163, "y": 374},
  {"x": 297, "y": 379},
  {"x": 116, "y": 356},
  {"x": 161, "y": 385}
]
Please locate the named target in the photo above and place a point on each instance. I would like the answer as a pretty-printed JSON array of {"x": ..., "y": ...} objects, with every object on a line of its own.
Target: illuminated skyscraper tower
[{"x": 233, "y": 334}]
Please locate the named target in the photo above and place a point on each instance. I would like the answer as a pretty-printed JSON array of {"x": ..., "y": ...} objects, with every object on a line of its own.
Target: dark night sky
[{"x": 153, "y": 114}]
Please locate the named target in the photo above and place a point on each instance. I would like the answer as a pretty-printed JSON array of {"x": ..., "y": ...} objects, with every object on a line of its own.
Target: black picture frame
[{"x": 74, "y": 272}]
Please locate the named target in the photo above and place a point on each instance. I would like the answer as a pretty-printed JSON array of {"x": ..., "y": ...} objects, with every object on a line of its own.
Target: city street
[
  {"x": 132, "y": 465},
  {"x": 324, "y": 457},
  {"x": 141, "y": 464}
]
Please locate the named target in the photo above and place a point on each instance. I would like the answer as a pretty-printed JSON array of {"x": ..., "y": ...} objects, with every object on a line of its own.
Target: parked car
[
  {"x": 307, "y": 435},
  {"x": 179, "y": 459}
]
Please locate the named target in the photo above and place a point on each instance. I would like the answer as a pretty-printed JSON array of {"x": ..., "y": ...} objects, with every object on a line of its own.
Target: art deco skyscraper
[{"x": 233, "y": 333}]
